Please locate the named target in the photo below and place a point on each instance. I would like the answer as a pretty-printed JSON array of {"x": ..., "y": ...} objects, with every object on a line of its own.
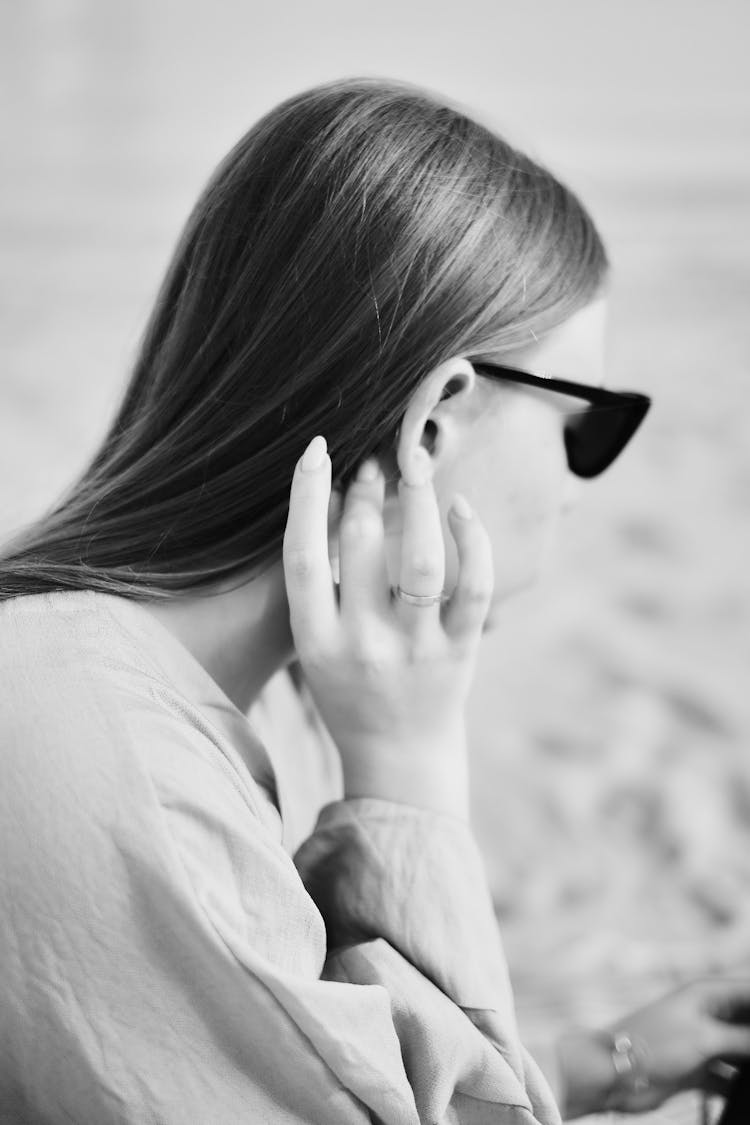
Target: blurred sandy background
[{"x": 612, "y": 715}]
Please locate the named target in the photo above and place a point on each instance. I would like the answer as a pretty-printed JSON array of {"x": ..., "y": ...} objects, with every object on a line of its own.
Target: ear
[{"x": 433, "y": 417}]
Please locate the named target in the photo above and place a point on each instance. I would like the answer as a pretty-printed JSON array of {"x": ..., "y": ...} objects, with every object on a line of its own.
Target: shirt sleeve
[
  {"x": 406, "y": 906},
  {"x": 385, "y": 996},
  {"x": 365, "y": 979}
]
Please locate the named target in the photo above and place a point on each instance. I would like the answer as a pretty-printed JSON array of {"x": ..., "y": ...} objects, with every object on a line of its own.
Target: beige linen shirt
[{"x": 166, "y": 960}]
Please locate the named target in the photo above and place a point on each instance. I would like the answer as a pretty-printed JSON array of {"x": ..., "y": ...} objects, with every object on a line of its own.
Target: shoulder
[
  {"x": 69, "y": 677},
  {"x": 62, "y": 641},
  {"x": 101, "y": 750},
  {"x": 53, "y": 667},
  {"x": 83, "y": 694}
]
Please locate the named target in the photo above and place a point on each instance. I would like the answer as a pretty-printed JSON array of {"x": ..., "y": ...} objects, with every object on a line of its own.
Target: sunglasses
[{"x": 594, "y": 437}]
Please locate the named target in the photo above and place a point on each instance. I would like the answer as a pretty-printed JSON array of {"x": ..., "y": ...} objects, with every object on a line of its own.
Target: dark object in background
[{"x": 737, "y": 1109}]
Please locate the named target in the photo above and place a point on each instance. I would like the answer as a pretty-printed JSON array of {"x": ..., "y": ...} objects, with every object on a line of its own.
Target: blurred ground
[{"x": 612, "y": 715}]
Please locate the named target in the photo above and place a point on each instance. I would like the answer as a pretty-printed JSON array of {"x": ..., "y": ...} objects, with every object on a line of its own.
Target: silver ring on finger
[{"x": 420, "y": 600}]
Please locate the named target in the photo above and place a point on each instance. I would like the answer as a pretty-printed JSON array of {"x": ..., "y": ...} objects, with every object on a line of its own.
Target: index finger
[{"x": 307, "y": 568}]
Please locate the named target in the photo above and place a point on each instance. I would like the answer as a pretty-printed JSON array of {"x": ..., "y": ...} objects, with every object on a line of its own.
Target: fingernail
[
  {"x": 368, "y": 471},
  {"x": 314, "y": 455},
  {"x": 460, "y": 507}
]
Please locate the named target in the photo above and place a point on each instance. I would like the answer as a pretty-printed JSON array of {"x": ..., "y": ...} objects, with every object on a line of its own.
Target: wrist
[
  {"x": 431, "y": 775},
  {"x": 601, "y": 1071},
  {"x": 585, "y": 1071},
  {"x": 631, "y": 1088}
]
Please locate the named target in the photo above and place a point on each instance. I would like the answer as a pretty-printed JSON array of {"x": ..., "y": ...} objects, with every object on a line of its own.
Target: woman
[{"x": 369, "y": 265}]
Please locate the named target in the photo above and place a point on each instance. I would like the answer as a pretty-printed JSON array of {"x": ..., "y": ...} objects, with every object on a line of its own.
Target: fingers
[
  {"x": 726, "y": 1003},
  {"x": 732, "y": 1041},
  {"x": 422, "y": 568},
  {"x": 364, "y": 588},
  {"x": 727, "y": 998},
  {"x": 364, "y": 575},
  {"x": 335, "y": 506},
  {"x": 307, "y": 571},
  {"x": 467, "y": 609}
]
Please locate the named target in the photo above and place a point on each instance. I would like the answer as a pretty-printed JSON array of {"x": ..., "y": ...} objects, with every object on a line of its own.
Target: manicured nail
[
  {"x": 314, "y": 455},
  {"x": 368, "y": 471},
  {"x": 460, "y": 507}
]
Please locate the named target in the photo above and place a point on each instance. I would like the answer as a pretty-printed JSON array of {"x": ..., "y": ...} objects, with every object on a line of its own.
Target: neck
[{"x": 241, "y": 636}]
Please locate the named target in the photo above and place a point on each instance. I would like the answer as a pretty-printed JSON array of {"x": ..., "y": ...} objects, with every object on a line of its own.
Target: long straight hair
[{"x": 356, "y": 236}]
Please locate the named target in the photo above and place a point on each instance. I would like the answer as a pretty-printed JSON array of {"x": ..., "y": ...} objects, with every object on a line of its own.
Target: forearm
[
  {"x": 404, "y": 897},
  {"x": 585, "y": 1074},
  {"x": 600, "y": 1070},
  {"x": 415, "y": 878}
]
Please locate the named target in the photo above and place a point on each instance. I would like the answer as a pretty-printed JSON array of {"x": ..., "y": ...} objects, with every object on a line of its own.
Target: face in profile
[{"x": 503, "y": 448}]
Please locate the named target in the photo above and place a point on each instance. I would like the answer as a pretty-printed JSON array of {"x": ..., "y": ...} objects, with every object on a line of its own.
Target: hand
[
  {"x": 390, "y": 680},
  {"x": 677, "y": 1041}
]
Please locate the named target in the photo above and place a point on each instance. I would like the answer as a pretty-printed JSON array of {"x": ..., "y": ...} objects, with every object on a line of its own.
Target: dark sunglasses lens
[{"x": 594, "y": 438}]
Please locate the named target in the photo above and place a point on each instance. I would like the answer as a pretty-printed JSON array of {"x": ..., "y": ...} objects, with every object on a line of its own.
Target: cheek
[{"x": 518, "y": 494}]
